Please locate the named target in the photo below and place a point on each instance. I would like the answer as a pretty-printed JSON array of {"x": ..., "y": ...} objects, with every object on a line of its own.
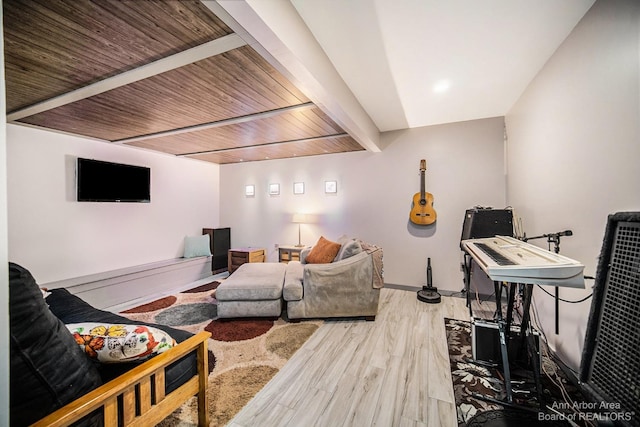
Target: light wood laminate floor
[{"x": 393, "y": 371}]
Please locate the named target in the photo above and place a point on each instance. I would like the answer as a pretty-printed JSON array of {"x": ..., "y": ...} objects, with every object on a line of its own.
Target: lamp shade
[{"x": 299, "y": 218}]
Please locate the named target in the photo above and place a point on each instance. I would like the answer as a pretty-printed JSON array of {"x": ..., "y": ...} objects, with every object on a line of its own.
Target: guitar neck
[{"x": 422, "y": 188}]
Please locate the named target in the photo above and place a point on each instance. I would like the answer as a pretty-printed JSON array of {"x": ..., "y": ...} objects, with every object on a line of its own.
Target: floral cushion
[{"x": 120, "y": 343}]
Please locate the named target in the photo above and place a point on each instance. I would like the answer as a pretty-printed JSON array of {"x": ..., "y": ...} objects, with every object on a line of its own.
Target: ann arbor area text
[{"x": 585, "y": 406}]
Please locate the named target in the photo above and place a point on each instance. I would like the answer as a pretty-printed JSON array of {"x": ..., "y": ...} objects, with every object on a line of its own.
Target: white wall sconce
[
  {"x": 298, "y": 188},
  {"x": 331, "y": 187},
  {"x": 250, "y": 190},
  {"x": 274, "y": 189}
]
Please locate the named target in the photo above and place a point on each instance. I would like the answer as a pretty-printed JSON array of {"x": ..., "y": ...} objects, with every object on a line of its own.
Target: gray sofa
[{"x": 347, "y": 287}]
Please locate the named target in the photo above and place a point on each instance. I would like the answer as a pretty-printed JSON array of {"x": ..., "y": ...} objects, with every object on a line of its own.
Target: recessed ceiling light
[{"x": 441, "y": 86}]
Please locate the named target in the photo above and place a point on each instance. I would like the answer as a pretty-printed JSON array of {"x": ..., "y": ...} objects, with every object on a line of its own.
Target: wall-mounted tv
[{"x": 99, "y": 181}]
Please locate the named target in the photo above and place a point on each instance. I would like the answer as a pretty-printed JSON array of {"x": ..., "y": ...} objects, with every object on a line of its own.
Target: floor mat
[
  {"x": 562, "y": 400},
  {"x": 244, "y": 353}
]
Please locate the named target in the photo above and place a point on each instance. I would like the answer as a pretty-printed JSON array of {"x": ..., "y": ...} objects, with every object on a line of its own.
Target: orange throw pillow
[{"x": 323, "y": 252}]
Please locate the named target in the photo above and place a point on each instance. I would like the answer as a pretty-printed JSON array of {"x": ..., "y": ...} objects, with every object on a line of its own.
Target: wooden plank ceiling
[{"x": 167, "y": 76}]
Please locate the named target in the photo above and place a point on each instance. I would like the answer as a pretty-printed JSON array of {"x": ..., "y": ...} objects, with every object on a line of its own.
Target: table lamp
[{"x": 299, "y": 218}]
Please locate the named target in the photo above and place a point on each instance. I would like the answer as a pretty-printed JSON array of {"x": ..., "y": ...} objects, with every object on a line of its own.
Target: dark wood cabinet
[
  {"x": 240, "y": 256},
  {"x": 220, "y": 243}
]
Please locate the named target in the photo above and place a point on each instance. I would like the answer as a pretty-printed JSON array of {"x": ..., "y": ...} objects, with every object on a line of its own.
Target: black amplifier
[
  {"x": 486, "y": 222},
  {"x": 485, "y": 342}
]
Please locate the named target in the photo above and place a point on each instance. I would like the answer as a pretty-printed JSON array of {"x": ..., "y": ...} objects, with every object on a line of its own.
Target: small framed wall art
[
  {"x": 298, "y": 188},
  {"x": 331, "y": 187},
  {"x": 274, "y": 189},
  {"x": 249, "y": 190}
]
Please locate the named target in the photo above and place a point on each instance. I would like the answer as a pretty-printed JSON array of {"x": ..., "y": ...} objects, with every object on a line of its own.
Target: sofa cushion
[
  {"x": 254, "y": 281},
  {"x": 348, "y": 249},
  {"x": 48, "y": 369},
  {"x": 293, "y": 289},
  {"x": 195, "y": 246},
  {"x": 117, "y": 343},
  {"x": 72, "y": 309},
  {"x": 323, "y": 252}
]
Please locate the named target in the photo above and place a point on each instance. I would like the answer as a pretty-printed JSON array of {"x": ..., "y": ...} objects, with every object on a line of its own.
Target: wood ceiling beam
[
  {"x": 219, "y": 123},
  {"x": 284, "y": 40},
  {"x": 186, "y": 57},
  {"x": 270, "y": 144},
  {"x": 228, "y": 20}
]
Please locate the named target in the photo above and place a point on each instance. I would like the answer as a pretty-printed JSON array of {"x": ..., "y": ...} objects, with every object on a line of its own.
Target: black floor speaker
[
  {"x": 610, "y": 366},
  {"x": 220, "y": 243},
  {"x": 485, "y": 342}
]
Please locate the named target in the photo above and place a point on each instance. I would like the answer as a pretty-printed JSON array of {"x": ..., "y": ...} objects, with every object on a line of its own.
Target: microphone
[
  {"x": 561, "y": 233},
  {"x": 555, "y": 236}
]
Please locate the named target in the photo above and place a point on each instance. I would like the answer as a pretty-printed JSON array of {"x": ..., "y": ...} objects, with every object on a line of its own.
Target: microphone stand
[
  {"x": 555, "y": 239},
  {"x": 428, "y": 293}
]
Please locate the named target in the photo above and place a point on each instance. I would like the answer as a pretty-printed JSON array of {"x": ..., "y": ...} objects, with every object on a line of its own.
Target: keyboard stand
[
  {"x": 521, "y": 265},
  {"x": 527, "y": 343},
  {"x": 504, "y": 337},
  {"x": 466, "y": 266}
]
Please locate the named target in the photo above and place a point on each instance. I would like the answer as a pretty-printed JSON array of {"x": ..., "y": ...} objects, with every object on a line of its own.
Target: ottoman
[{"x": 253, "y": 290}]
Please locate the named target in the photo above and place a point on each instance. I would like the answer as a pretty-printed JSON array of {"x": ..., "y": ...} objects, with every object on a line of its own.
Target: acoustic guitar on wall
[{"x": 422, "y": 212}]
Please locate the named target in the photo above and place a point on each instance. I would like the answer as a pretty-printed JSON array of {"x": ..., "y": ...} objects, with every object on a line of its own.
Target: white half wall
[
  {"x": 465, "y": 167},
  {"x": 57, "y": 238},
  {"x": 573, "y": 150}
]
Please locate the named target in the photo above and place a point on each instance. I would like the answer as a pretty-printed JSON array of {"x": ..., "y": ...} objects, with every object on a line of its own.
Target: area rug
[
  {"x": 244, "y": 354},
  {"x": 470, "y": 378}
]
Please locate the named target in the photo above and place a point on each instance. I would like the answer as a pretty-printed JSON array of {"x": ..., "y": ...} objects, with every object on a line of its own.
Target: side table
[
  {"x": 239, "y": 256},
  {"x": 289, "y": 253}
]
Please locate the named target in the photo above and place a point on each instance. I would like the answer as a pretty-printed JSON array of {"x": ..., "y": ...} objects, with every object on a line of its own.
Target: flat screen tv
[{"x": 99, "y": 181}]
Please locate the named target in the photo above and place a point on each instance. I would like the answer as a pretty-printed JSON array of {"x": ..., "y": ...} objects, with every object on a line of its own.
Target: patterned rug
[
  {"x": 244, "y": 354},
  {"x": 470, "y": 378}
]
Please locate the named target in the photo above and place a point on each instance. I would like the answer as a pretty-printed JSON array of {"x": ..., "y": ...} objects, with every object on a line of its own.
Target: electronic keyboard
[{"x": 511, "y": 260}]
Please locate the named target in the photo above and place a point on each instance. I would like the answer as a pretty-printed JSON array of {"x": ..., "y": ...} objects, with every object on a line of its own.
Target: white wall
[
  {"x": 375, "y": 190},
  {"x": 56, "y": 237},
  {"x": 573, "y": 150}
]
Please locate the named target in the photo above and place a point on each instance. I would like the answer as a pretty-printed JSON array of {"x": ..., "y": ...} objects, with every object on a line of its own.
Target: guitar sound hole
[{"x": 423, "y": 202}]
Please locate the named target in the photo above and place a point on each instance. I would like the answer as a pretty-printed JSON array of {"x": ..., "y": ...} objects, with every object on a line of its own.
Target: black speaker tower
[
  {"x": 220, "y": 243},
  {"x": 610, "y": 366}
]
